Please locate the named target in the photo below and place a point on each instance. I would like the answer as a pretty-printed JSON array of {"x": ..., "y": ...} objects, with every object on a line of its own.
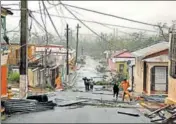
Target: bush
[
  {"x": 102, "y": 83},
  {"x": 14, "y": 77}
]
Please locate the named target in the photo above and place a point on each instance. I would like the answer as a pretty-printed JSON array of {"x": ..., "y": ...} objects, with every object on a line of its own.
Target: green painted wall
[{"x": 125, "y": 69}]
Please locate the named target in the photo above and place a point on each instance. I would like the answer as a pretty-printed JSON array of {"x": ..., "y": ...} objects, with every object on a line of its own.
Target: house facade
[
  {"x": 171, "y": 99},
  {"x": 151, "y": 69},
  {"x": 122, "y": 59},
  {"x": 4, "y": 54}
]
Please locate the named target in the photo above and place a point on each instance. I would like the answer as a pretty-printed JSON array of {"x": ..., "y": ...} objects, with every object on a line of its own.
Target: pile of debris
[
  {"x": 32, "y": 104},
  {"x": 166, "y": 114}
]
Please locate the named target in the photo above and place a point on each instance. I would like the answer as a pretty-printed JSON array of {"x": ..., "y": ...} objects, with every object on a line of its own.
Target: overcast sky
[{"x": 146, "y": 11}]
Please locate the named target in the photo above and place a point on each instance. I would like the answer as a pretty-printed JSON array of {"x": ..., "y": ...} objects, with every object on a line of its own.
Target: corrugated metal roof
[
  {"x": 151, "y": 49},
  {"x": 4, "y": 59},
  {"x": 161, "y": 58}
]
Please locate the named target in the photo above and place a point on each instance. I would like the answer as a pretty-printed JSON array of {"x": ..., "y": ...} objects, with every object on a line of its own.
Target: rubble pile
[
  {"x": 166, "y": 114},
  {"x": 25, "y": 105}
]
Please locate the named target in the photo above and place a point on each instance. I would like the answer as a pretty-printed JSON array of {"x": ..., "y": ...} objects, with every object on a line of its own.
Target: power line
[
  {"x": 51, "y": 21},
  {"x": 82, "y": 22},
  {"x": 85, "y": 25},
  {"x": 145, "y": 23},
  {"x": 101, "y": 23}
]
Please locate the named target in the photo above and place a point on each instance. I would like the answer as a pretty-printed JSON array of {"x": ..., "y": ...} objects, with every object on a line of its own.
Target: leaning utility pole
[
  {"x": 77, "y": 40},
  {"x": 23, "y": 49},
  {"x": 67, "y": 37}
]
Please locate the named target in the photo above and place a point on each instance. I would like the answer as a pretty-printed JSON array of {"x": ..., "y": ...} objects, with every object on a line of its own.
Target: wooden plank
[
  {"x": 131, "y": 114},
  {"x": 156, "y": 111},
  {"x": 69, "y": 103}
]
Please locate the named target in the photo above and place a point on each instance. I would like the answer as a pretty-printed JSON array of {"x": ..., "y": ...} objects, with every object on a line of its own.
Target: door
[{"x": 160, "y": 79}]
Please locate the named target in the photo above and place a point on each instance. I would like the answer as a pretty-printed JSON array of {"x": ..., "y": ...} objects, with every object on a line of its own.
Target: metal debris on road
[
  {"x": 101, "y": 100},
  {"x": 164, "y": 114},
  {"x": 68, "y": 102},
  {"x": 127, "y": 113},
  {"x": 26, "y": 105}
]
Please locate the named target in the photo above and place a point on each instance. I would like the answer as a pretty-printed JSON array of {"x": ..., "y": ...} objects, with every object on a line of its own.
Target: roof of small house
[
  {"x": 151, "y": 49},
  {"x": 123, "y": 54},
  {"x": 161, "y": 58}
]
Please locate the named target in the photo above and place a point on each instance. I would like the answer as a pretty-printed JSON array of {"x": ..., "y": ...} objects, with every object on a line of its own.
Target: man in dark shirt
[
  {"x": 85, "y": 83},
  {"x": 116, "y": 89}
]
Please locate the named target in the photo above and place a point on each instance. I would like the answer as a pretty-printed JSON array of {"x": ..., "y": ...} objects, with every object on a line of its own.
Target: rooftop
[
  {"x": 151, "y": 49},
  {"x": 161, "y": 58}
]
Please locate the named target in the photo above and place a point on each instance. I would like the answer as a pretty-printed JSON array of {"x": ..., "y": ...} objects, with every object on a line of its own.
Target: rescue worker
[
  {"x": 125, "y": 85},
  {"x": 116, "y": 89}
]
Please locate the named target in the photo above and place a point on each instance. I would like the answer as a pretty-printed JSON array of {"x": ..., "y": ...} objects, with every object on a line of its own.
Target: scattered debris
[
  {"x": 26, "y": 105},
  {"x": 102, "y": 93},
  {"x": 68, "y": 103},
  {"x": 164, "y": 114},
  {"x": 131, "y": 114},
  {"x": 39, "y": 98},
  {"x": 155, "y": 98},
  {"x": 101, "y": 100}
]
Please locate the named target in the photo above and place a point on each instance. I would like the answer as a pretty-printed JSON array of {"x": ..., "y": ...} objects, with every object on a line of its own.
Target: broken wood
[
  {"x": 103, "y": 93},
  {"x": 100, "y": 100},
  {"x": 158, "y": 110},
  {"x": 69, "y": 103},
  {"x": 131, "y": 114}
]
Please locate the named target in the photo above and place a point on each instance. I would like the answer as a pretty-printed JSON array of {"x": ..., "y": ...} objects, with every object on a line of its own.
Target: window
[
  {"x": 173, "y": 56},
  {"x": 121, "y": 67}
]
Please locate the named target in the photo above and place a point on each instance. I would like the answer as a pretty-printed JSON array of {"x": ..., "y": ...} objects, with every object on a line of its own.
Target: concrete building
[
  {"x": 151, "y": 69},
  {"x": 171, "y": 99}
]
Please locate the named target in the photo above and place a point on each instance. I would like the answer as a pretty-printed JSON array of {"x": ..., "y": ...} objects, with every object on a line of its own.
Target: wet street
[{"x": 85, "y": 114}]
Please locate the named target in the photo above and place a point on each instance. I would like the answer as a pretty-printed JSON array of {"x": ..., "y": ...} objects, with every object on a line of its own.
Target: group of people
[
  {"x": 89, "y": 83},
  {"x": 124, "y": 85}
]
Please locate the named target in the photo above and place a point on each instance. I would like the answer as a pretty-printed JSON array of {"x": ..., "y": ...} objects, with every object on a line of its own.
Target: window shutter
[
  {"x": 153, "y": 79},
  {"x": 172, "y": 56}
]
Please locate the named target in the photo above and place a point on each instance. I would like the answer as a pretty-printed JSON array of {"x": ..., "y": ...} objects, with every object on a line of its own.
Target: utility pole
[
  {"x": 67, "y": 37},
  {"x": 77, "y": 40},
  {"x": 82, "y": 50},
  {"x": 23, "y": 49}
]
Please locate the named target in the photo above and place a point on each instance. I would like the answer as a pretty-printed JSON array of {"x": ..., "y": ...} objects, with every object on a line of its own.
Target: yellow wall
[
  {"x": 138, "y": 76},
  {"x": 14, "y": 55},
  {"x": 171, "y": 91},
  {"x": 125, "y": 67},
  {"x": 31, "y": 77}
]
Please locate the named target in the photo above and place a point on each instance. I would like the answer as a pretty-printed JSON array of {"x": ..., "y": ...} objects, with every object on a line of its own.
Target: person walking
[
  {"x": 116, "y": 89},
  {"x": 88, "y": 84},
  {"x": 125, "y": 85},
  {"x": 91, "y": 84},
  {"x": 85, "y": 83}
]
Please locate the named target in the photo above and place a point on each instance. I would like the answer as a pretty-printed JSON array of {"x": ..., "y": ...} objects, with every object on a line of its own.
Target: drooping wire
[
  {"x": 123, "y": 18},
  {"x": 51, "y": 20}
]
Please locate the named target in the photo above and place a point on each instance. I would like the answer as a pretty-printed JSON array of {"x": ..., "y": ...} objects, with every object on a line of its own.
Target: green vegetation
[
  {"x": 102, "y": 83},
  {"x": 14, "y": 77}
]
